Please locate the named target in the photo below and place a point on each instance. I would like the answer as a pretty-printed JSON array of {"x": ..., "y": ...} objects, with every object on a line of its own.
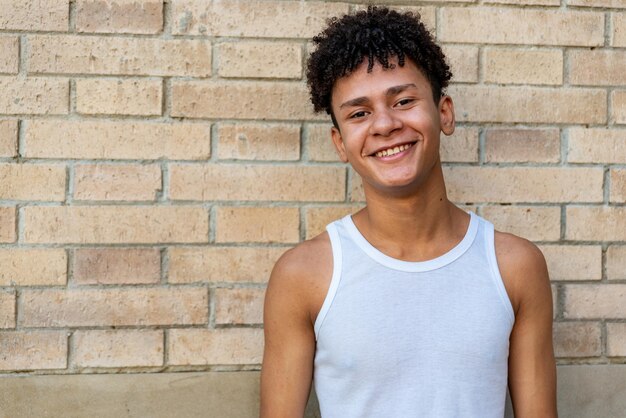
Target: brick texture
[
  {"x": 616, "y": 340},
  {"x": 522, "y": 145},
  {"x": 116, "y": 265},
  {"x": 597, "y": 3},
  {"x": 535, "y": 223},
  {"x": 318, "y": 217},
  {"x": 215, "y": 346},
  {"x": 589, "y": 145},
  {"x": 618, "y": 35},
  {"x": 596, "y": 223},
  {"x": 9, "y": 58},
  {"x": 618, "y": 105},
  {"x": 119, "y": 348},
  {"x": 115, "y": 224},
  {"x": 119, "y": 56},
  {"x": 19, "y": 268},
  {"x": 252, "y": 59},
  {"x": 319, "y": 145},
  {"x": 8, "y": 138},
  {"x": 523, "y": 66},
  {"x": 32, "y": 350},
  {"x": 616, "y": 262},
  {"x": 34, "y": 96},
  {"x": 595, "y": 301},
  {"x": 119, "y": 97},
  {"x": 7, "y": 224},
  {"x": 222, "y": 264},
  {"x": 114, "y": 307},
  {"x": 577, "y": 339},
  {"x": 253, "y": 141},
  {"x": 119, "y": 16},
  {"x": 463, "y": 62},
  {"x": 461, "y": 146},
  {"x": 225, "y": 17},
  {"x": 241, "y": 182},
  {"x": 597, "y": 67},
  {"x": 32, "y": 182},
  {"x": 117, "y": 182},
  {"x": 34, "y": 15},
  {"x": 573, "y": 262},
  {"x": 239, "y": 306},
  {"x": 7, "y": 309},
  {"x": 618, "y": 185},
  {"x": 258, "y": 224},
  {"x": 117, "y": 140}
]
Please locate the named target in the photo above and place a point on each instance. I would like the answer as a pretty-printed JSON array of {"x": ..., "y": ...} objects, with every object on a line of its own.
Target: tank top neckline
[{"x": 413, "y": 266}]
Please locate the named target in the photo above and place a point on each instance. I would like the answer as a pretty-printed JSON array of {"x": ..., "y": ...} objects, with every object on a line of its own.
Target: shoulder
[
  {"x": 302, "y": 275},
  {"x": 522, "y": 267}
]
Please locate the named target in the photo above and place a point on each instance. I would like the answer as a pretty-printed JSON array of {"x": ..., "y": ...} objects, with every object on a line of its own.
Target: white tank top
[{"x": 413, "y": 339}]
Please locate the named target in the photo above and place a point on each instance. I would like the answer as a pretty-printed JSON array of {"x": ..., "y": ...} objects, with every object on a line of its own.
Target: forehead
[{"x": 361, "y": 83}]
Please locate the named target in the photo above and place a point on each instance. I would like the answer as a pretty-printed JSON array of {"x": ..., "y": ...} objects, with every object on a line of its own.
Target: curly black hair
[{"x": 379, "y": 34}]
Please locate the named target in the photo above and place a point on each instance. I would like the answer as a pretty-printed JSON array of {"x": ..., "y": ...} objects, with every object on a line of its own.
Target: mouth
[{"x": 388, "y": 152}]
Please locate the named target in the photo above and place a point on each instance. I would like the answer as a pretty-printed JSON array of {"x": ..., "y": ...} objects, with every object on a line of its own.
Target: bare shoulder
[
  {"x": 522, "y": 267},
  {"x": 302, "y": 275}
]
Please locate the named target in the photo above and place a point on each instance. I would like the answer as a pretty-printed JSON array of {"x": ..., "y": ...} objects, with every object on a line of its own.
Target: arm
[
  {"x": 532, "y": 369},
  {"x": 289, "y": 339}
]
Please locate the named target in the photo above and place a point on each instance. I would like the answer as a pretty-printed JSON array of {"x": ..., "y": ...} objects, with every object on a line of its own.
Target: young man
[{"x": 410, "y": 307}]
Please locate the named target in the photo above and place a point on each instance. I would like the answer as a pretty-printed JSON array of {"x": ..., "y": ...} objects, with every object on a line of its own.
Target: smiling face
[{"x": 389, "y": 125}]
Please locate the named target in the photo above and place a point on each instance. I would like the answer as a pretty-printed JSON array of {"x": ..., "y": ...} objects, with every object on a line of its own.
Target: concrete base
[{"x": 584, "y": 391}]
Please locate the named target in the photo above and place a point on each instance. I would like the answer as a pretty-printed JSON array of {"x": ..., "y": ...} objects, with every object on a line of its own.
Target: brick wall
[{"x": 156, "y": 157}]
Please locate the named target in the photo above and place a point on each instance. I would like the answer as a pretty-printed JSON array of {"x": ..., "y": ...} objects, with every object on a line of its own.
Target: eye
[
  {"x": 359, "y": 114},
  {"x": 404, "y": 102}
]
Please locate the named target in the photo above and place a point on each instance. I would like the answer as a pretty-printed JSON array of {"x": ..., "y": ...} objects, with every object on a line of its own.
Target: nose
[{"x": 384, "y": 122}]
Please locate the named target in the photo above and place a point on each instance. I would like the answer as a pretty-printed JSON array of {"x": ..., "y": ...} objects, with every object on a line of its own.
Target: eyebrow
[{"x": 391, "y": 91}]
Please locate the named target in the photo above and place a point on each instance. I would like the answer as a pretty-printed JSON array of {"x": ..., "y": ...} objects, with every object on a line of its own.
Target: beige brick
[
  {"x": 577, "y": 339},
  {"x": 9, "y": 54},
  {"x": 461, "y": 146},
  {"x": 215, "y": 346},
  {"x": 222, "y": 264},
  {"x": 588, "y": 223},
  {"x": 119, "y": 16},
  {"x": 116, "y": 265},
  {"x": 618, "y": 23},
  {"x": 258, "y": 224},
  {"x": 255, "y": 141},
  {"x": 286, "y": 100},
  {"x": 523, "y": 66},
  {"x": 463, "y": 61},
  {"x": 597, "y": 145},
  {"x": 494, "y": 25},
  {"x": 256, "y": 182},
  {"x": 8, "y": 138},
  {"x": 33, "y": 350},
  {"x": 616, "y": 262},
  {"x": 130, "y": 182},
  {"x": 7, "y": 224},
  {"x": 529, "y": 104},
  {"x": 117, "y": 140},
  {"x": 318, "y": 218},
  {"x": 524, "y": 184},
  {"x": 595, "y": 301},
  {"x": 34, "y": 15},
  {"x": 535, "y": 223},
  {"x": 259, "y": 59},
  {"x": 618, "y": 106},
  {"x": 618, "y": 185},
  {"x": 319, "y": 145},
  {"x": 597, "y": 67},
  {"x": 616, "y": 339},
  {"x": 36, "y": 96},
  {"x": 33, "y": 267},
  {"x": 7, "y": 309},
  {"x": 573, "y": 262},
  {"x": 523, "y": 145},
  {"x": 529, "y": 2},
  {"x": 119, "y": 56},
  {"x": 555, "y": 299},
  {"x": 598, "y": 3},
  {"x": 254, "y": 18},
  {"x": 239, "y": 306},
  {"x": 118, "y": 348},
  {"x": 119, "y": 96},
  {"x": 114, "y": 307},
  {"x": 115, "y": 224},
  {"x": 32, "y": 182},
  {"x": 357, "y": 194}
]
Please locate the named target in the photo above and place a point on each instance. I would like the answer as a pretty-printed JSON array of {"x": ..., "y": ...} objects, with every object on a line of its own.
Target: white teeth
[{"x": 392, "y": 151}]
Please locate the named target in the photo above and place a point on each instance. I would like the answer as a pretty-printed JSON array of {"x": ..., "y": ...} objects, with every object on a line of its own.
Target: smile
[{"x": 392, "y": 151}]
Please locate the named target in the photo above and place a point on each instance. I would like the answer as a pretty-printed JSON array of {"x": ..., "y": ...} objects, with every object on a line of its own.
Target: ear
[
  {"x": 338, "y": 142},
  {"x": 446, "y": 115}
]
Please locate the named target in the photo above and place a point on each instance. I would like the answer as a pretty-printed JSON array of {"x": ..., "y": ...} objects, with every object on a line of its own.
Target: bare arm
[
  {"x": 532, "y": 370},
  {"x": 291, "y": 302}
]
